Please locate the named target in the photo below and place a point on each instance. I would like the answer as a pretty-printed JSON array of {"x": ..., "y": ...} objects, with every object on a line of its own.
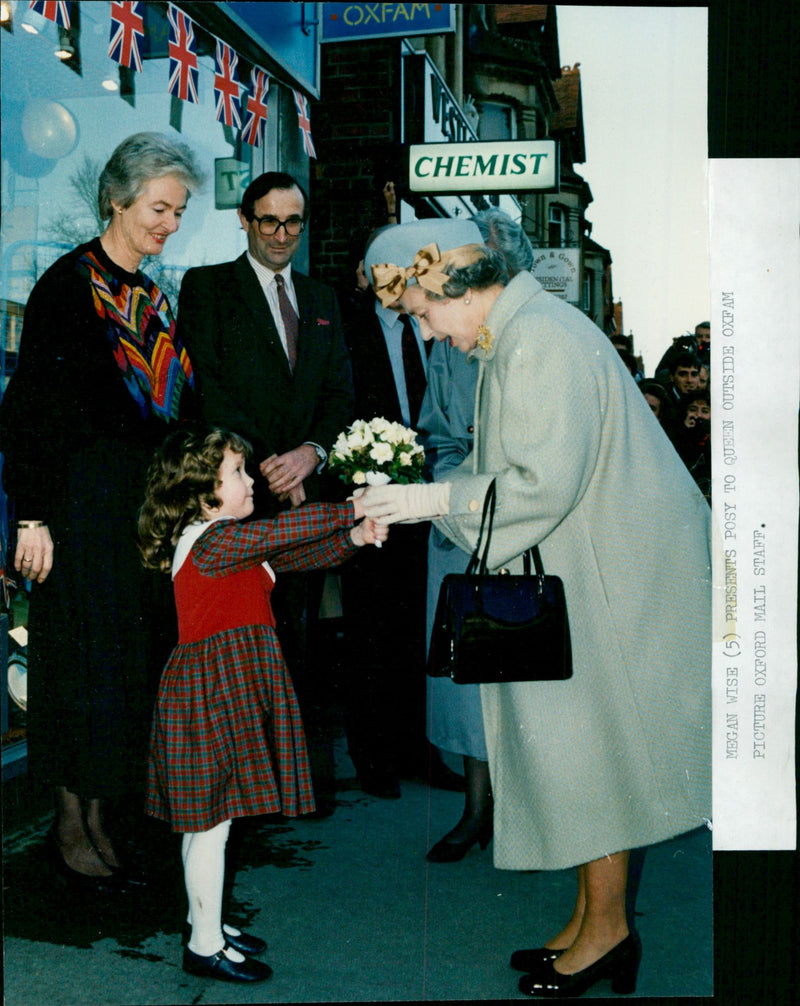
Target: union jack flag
[
  {"x": 58, "y": 12},
  {"x": 256, "y": 108},
  {"x": 127, "y": 32},
  {"x": 183, "y": 71},
  {"x": 226, "y": 85},
  {"x": 304, "y": 122}
]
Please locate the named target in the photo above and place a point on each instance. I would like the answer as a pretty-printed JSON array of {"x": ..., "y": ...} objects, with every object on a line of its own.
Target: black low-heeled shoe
[
  {"x": 445, "y": 851},
  {"x": 245, "y": 943},
  {"x": 620, "y": 965},
  {"x": 220, "y": 966},
  {"x": 530, "y": 960},
  {"x": 113, "y": 883}
]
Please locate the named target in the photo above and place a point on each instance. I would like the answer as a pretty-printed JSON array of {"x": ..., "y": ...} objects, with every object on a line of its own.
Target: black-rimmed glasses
[{"x": 267, "y": 226}]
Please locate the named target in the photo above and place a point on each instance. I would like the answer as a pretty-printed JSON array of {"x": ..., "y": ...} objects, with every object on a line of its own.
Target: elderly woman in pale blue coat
[{"x": 619, "y": 756}]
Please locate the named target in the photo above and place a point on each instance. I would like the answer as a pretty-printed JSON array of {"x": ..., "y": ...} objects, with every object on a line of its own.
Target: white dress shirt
[{"x": 266, "y": 280}]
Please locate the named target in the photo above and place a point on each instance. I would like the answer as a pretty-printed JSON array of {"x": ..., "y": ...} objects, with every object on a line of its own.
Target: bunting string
[{"x": 245, "y": 111}]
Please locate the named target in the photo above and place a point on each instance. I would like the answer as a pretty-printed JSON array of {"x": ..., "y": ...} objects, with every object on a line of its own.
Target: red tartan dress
[{"x": 227, "y": 739}]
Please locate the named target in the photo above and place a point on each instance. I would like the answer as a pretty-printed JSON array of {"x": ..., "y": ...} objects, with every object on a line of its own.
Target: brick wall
[{"x": 356, "y": 128}]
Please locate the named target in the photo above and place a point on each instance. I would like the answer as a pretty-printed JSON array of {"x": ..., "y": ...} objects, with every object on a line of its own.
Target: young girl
[{"x": 227, "y": 740}]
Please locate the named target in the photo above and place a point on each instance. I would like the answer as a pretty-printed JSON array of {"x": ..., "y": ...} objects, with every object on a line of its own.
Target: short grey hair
[
  {"x": 138, "y": 160},
  {"x": 487, "y": 270},
  {"x": 501, "y": 232}
]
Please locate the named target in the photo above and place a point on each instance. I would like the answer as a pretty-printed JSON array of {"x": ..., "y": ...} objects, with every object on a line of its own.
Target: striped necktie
[{"x": 290, "y": 322}]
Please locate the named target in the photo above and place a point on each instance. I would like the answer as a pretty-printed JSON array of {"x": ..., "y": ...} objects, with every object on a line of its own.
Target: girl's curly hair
[{"x": 182, "y": 477}]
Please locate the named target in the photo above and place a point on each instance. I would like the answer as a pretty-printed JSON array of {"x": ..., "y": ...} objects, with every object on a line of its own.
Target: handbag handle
[{"x": 478, "y": 561}]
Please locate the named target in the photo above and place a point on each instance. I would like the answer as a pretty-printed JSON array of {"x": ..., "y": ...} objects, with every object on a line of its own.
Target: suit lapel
[
  {"x": 266, "y": 338},
  {"x": 307, "y": 310}
]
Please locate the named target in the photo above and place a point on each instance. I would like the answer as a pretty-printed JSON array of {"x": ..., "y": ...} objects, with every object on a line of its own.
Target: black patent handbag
[{"x": 497, "y": 627}]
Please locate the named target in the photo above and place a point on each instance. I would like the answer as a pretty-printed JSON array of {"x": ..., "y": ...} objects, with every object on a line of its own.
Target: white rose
[
  {"x": 381, "y": 453},
  {"x": 394, "y": 434},
  {"x": 379, "y": 424},
  {"x": 405, "y": 458},
  {"x": 359, "y": 478},
  {"x": 359, "y": 438}
]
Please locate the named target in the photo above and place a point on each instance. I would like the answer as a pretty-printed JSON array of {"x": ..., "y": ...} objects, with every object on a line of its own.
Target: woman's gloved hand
[{"x": 394, "y": 504}]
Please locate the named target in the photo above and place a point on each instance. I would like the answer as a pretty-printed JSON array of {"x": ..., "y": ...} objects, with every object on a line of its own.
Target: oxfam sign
[{"x": 501, "y": 166}]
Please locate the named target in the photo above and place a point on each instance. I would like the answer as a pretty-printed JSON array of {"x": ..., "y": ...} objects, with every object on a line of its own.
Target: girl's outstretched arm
[{"x": 315, "y": 534}]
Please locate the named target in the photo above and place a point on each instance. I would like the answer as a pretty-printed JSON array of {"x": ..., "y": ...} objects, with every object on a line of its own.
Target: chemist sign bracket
[{"x": 494, "y": 166}]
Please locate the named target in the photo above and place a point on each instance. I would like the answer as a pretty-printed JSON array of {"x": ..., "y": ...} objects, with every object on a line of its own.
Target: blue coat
[{"x": 455, "y": 720}]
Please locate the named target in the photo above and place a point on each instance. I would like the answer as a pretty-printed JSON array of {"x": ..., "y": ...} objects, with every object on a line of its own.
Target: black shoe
[
  {"x": 446, "y": 851},
  {"x": 220, "y": 966},
  {"x": 252, "y": 946},
  {"x": 531, "y": 960},
  {"x": 620, "y": 965},
  {"x": 114, "y": 883}
]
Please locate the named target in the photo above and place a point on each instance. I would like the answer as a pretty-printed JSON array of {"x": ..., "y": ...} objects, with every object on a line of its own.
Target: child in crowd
[{"x": 227, "y": 739}]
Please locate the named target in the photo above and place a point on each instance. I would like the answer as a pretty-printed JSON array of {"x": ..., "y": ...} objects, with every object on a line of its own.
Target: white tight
[{"x": 203, "y": 854}]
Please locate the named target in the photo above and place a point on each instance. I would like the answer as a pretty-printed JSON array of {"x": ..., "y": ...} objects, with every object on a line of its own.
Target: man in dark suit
[
  {"x": 289, "y": 391},
  {"x": 271, "y": 363},
  {"x": 384, "y": 594}
]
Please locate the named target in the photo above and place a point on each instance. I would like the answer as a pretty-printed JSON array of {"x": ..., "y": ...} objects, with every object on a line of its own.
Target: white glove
[{"x": 409, "y": 504}]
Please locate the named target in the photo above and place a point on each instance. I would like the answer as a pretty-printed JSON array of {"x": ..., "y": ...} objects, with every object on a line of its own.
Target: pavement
[{"x": 349, "y": 907}]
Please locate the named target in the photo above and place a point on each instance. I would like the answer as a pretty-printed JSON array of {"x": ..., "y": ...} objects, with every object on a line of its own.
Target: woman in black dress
[{"x": 100, "y": 380}]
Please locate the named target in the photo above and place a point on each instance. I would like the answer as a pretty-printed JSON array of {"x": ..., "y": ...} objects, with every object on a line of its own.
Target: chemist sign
[
  {"x": 496, "y": 166},
  {"x": 342, "y": 22}
]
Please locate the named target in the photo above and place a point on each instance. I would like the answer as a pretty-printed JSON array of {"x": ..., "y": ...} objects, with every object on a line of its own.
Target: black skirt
[{"x": 101, "y": 629}]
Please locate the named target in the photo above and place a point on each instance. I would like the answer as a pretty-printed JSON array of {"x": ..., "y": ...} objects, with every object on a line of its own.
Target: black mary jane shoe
[
  {"x": 532, "y": 960},
  {"x": 222, "y": 967},
  {"x": 620, "y": 965},
  {"x": 246, "y": 944},
  {"x": 445, "y": 851}
]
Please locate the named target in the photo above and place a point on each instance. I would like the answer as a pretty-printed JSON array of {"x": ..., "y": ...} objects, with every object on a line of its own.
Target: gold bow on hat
[{"x": 389, "y": 281}]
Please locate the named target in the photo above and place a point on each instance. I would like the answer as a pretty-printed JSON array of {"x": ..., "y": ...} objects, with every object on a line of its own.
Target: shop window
[
  {"x": 557, "y": 226},
  {"x": 588, "y": 292},
  {"x": 61, "y": 121}
]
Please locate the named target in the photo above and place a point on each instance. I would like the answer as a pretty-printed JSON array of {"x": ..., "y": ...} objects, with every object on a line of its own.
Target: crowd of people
[
  {"x": 202, "y": 450},
  {"x": 679, "y": 393}
]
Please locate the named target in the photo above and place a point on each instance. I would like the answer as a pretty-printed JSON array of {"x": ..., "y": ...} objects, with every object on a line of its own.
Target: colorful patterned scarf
[{"x": 141, "y": 330}]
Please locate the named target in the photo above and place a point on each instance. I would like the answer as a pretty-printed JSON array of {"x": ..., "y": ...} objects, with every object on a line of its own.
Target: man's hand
[{"x": 285, "y": 472}]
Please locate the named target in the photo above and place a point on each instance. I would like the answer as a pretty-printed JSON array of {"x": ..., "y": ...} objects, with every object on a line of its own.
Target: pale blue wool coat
[
  {"x": 619, "y": 756},
  {"x": 446, "y": 424}
]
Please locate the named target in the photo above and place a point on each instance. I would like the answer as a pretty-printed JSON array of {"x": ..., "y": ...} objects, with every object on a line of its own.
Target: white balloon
[{"x": 49, "y": 129}]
